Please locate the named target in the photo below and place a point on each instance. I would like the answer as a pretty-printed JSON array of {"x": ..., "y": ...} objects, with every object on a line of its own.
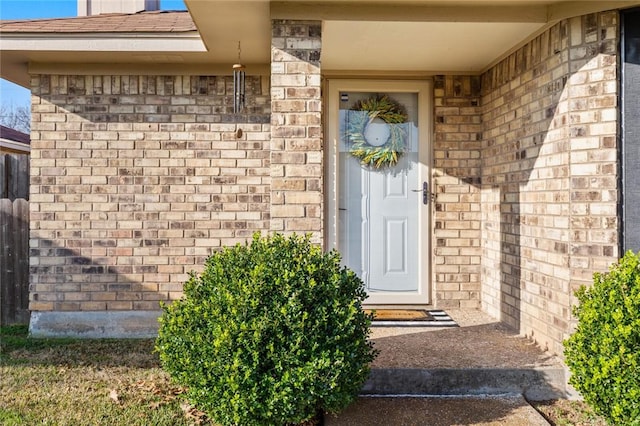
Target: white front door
[{"x": 379, "y": 216}]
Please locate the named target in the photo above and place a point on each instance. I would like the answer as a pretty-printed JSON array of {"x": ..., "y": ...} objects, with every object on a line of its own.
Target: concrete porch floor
[{"x": 480, "y": 357}]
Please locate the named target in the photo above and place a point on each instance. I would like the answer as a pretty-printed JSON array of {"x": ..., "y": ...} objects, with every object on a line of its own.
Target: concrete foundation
[{"x": 95, "y": 325}]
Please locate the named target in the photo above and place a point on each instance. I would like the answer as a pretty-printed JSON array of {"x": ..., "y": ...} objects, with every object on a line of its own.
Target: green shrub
[
  {"x": 270, "y": 333},
  {"x": 604, "y": 352}
]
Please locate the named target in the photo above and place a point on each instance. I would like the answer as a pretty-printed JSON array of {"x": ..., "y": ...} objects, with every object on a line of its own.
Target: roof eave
[
  {"x": 107, "y": 42},
  {"x": 19, "y": 50}
]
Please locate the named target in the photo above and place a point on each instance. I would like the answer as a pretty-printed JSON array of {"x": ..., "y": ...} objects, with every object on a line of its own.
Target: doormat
[{"x": 411, "y": 318}]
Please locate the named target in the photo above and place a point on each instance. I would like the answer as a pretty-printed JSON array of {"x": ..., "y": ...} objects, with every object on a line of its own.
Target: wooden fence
[
  {"x": 14, "y": 239},
  {"x": 14, "y": 261},
  {"x": 14, "y": 176}
]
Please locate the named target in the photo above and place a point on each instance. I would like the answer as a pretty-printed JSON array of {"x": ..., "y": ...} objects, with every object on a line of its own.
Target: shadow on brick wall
[
  {"x": 522, "y": 137},
  {"x": 81, "y": 283},
  {"x": 547, "y": 165}
]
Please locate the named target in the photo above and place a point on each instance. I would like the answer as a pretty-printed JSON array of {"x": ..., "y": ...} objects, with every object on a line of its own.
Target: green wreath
[{"x": 389, "y": 111}]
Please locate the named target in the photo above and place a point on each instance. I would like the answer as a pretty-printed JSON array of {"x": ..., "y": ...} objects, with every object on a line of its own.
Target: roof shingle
[{"x": 141, "y": 22}]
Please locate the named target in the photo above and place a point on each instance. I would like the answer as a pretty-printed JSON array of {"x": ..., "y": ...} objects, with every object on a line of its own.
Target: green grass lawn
[{"x": 86, "y": 382}]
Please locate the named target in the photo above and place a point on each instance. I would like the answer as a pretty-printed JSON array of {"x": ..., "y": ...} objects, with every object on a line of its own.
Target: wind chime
[{"x": 238, "y": 85}]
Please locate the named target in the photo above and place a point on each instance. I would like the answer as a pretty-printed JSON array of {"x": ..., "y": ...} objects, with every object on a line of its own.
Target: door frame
[{"x": 423, "y": 88}]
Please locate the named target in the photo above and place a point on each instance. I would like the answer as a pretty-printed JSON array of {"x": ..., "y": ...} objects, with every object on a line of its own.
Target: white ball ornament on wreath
[{"x": 375, "y": 131}]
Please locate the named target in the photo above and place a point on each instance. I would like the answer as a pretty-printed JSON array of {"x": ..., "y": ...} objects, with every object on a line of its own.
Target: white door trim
[{"x": 424, "y": 92}]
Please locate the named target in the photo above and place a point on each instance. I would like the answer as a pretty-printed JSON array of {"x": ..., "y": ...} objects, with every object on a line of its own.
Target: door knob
[{"x": 425, "y": 192}]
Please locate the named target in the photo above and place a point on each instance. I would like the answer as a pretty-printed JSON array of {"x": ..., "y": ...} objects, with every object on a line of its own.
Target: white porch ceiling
[{"x": 467, "y": 47}]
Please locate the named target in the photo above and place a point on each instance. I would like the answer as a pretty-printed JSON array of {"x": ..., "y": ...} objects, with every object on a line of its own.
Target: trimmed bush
[
  {"x": 604, "y": 352},
  {"x": 270, "y": 333}
]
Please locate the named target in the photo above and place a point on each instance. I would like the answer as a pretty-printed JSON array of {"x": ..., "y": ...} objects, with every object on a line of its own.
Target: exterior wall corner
[{"x": 297, "y": 155}]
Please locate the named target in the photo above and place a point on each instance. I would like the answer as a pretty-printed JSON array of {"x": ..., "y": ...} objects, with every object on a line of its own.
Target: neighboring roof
[
  {"x": 142, "y": 22},
  {"x": 13, "y": 135},
  {"x": 13, "y": 141}
]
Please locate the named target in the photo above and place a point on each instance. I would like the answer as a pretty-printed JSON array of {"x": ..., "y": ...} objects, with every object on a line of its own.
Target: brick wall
[
  {"x": 549, "y": 184},
  {"x": 456, "y": 184},
  {"x": 296, "y": 145},
  {"x": 135, "y": 180}
]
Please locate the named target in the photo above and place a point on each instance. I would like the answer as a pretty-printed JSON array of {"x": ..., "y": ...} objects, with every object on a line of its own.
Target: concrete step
[{"x": 536, "y": 384}]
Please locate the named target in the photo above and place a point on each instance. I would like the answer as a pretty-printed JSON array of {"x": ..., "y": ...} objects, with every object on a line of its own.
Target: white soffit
[
  {"x": 222, "y": 24},
  {"x": 418, "y": 46}
]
